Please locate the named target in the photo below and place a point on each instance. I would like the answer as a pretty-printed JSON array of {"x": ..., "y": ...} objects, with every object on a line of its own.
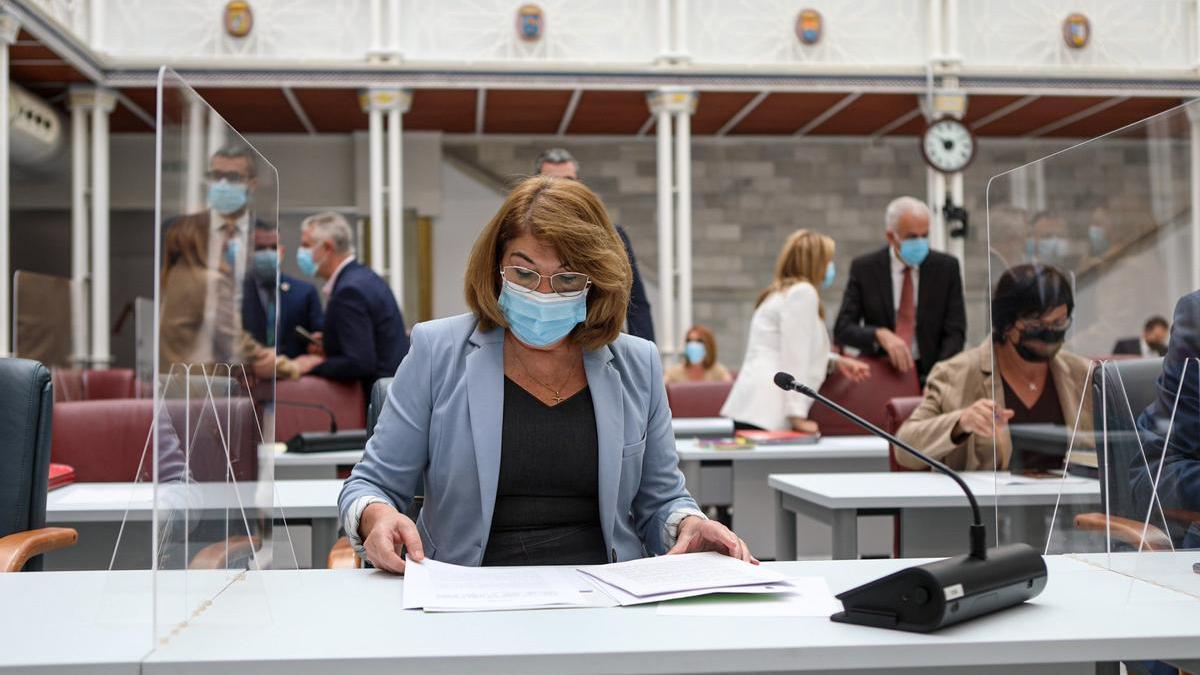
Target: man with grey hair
[
  {"x": 364, "y": 337},
  {"x": 638, "y": 321},
  {"x": 904, "y": 301}
]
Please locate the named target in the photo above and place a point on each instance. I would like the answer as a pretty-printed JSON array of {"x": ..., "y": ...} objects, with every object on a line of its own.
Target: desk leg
[
  {"x": 845, "y": 534},
  {"x": 324, "y": 536},
  {"x": 785, "y": 530}
]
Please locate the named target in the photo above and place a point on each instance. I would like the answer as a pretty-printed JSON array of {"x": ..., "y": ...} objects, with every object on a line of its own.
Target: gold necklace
[{"x": 558, "y": 398}]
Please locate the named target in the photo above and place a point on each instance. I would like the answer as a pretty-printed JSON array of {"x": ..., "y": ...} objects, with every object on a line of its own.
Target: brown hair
[
  {"x": 185, "y": 243},
  {"x": 804, "y": 257},
  {"x": 565, "y": 215},
  {"x": 710, "y": 344}
]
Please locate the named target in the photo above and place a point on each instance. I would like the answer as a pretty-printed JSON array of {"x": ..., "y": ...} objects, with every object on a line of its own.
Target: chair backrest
[
  {"x": 375, "y": 405},
  {"x": 697, "y": 399},
  {"x": 306, "y": 404},
  {"x": 899, "y": 410},
  {"x": 868, "y": 399},
  {"x": 68, "y": 384},
  {"x": 105, "y": 384},
  {"x": 1121, "y": 390},
  {"x": 26, "y": 408}
]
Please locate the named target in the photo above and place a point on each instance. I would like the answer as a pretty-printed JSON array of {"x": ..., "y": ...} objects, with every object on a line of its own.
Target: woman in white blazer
[{"x": 788, "y": 333}]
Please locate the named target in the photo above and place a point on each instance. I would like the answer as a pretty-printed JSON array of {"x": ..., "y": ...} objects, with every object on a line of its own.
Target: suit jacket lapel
[
  {"x": 608, "y": 403},
  {"x": 884, "y": 270},
  {"x": 485, "y": 402}
]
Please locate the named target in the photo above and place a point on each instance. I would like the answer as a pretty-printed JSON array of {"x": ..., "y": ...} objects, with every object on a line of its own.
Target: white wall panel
[{"x": 858, "y": 32}]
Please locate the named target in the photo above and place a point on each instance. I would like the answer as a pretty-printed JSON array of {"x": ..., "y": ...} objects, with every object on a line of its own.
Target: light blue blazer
[{"x": 443, "y": 418}]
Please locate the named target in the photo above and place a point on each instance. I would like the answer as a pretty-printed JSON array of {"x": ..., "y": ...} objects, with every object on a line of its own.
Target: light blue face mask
[
  {"x": 226, "y": 198},
  {"x": 304, "y": 259},
  {"x": 233, "y": 249},
  {"x": 694, "y": 351},
  {"x": 266, "y": 261},
  {"x": 1099, "y": 240},
  {"x": 1052, "y": 248},
  {"x": 830, "y": 275},
  {"x": 914, "y": 251},
  {"x": 541, "y": 319}
]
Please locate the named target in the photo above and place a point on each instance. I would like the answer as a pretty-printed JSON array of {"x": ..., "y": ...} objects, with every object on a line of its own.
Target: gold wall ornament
[
  {"x": 239, "y": 19},
  {"x": 809, "y": 26},
  {"x": 1076, "y": 31},
  {"x": 531, "y": 23}
]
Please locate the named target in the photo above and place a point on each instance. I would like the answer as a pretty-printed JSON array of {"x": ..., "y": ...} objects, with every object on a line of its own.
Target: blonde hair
[
  {"x": 565, "y": 215},
  {"x": 804, "y": 257}
]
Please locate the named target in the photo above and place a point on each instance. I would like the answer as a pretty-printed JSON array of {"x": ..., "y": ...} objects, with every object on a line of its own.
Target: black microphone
[
  {"x": 315, "y": 406},
  {"x": 928, "y": 597}
]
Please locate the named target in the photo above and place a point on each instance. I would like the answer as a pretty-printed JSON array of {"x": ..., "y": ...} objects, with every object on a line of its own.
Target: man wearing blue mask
[
  {"x": 299, "y": 306},
  {"x": 364, "y": 337},
  {"x": 904, "y": 301},
  {"x": 231, "y": 182}
]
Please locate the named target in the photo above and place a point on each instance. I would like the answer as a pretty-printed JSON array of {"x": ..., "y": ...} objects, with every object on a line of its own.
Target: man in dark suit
[
  {"x": 1153, "y": 341},
  {"x": 299, "y": 305},
  {"x": 638, "y": 321},
  {"x": 904, "y": 301},
  {"x": 364, "y": 337}
]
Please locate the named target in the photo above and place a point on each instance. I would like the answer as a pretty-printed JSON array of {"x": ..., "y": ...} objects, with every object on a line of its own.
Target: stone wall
[{"x": 749, "y": 194}]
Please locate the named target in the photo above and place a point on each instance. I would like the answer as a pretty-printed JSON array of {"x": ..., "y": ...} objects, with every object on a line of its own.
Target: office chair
[{"x": 26, "y": 407}]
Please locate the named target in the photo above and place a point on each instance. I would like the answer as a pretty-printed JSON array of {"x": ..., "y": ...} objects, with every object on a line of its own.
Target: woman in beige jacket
[{"x": 965, "y": 417}]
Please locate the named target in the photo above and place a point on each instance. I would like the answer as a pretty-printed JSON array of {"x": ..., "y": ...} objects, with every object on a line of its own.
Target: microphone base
[{"x": 929, "y": 597}]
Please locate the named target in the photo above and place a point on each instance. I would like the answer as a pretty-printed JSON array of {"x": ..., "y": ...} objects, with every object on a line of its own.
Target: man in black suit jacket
[
  {"x": 638, "y": 321},
  {"x": 867, "y": 318},
  {"x": 1153, "y": 341},
  {"x": 299, "y": 305},
  {"x": 364, "y": 337}
]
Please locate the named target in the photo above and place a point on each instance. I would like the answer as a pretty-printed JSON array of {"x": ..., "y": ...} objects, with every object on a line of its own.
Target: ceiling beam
[
  {"x": 135, "y": 108},
  {"x": 1003, "y": 111},
  {"x": 829, "y": 113},
  {"x": 896, "y": 123},
  {"x": 1081, "y": 115},
  {"x": 299, "y": 110},
  {"x": 741, "y": 114},
  {"x": 480, "y": 107},
  {"x": 647, "y": 125},
  {"x": 569, "y": 113}
]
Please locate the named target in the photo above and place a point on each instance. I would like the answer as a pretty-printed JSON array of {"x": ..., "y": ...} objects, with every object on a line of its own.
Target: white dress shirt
[
  {"x": 327, "y": 289},
  {"x": 898, "y": 267}
]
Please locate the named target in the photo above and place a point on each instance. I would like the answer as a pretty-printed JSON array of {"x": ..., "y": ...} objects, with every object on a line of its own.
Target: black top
[
  {"x": 1045, "y": 410},
  {"x": 547, "y": 510},
  {"x": 1029, "y": 455},
  {"x": 867, "y": 305}
]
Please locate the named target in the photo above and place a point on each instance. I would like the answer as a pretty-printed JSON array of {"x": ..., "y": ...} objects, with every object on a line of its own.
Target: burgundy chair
[
  {"x": 107, "y": 384},
  {"x": 899, "y": 410},
  {"x": 697, "y": 399},
  {"x": 307, "y": 403},
  {"x": 868, "y": 399},
  {"x": 68, "y": 384}
]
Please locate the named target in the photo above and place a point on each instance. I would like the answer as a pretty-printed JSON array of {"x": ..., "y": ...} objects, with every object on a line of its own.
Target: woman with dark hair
[{"x": 965, "y": 417}]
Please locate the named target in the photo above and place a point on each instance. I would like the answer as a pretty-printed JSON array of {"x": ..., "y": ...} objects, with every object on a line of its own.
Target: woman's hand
[
  {"x": 853, "y": 369},
  {"x": 384, "y": 531},
  {"x": 979, "y": 418},
  {"x": 804, "y": 426},
  {"x": 699, "y": 534}
]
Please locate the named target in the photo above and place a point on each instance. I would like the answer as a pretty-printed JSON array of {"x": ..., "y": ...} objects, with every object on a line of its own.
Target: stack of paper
[{"x": 440, "y": 587}]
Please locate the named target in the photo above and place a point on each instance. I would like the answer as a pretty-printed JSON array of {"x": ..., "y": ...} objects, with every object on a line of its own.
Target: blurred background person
[
  {"x": 699, "y": 362},
  {"x": 904, "y": 301},
  {"x": 638, "y": 320},
  {"x": 364, "y": 337},
  {"x": 788, "y": 333},
  {"x": 299, "y": 304},
  {"x": 1152, "y": 341},
  {"x": 1039, "y": 382},
  {"x": 1049, "y": 243}
]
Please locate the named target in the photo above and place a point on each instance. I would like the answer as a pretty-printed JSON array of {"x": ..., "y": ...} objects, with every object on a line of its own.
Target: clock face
[{"x": 948, "y": 145}]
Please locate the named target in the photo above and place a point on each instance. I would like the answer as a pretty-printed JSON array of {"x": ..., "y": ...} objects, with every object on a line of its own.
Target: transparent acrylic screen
[
  {"x": 213, "y": 436},
  {"x": 1096, "y": 240}
]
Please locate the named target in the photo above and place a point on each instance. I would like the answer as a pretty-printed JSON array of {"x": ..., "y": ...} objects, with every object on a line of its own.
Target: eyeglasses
[
  {"x": 1034, "y": 324},
  {"x": 227, "y": 176},
  {"x": 567, "y": 284}
]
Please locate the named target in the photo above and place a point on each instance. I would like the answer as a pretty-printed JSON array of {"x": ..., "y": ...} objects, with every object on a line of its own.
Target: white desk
[
  {"x": 933, "y": 500},
  {"x": 739, "y": 478},
  {"x": 97, "y": 510},
  {"x": 314, "y": 465},
  {"x": 296, "y": 622}
]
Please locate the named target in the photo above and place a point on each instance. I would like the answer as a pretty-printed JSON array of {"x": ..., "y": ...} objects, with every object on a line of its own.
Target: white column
[
  {"x": 664, "y": 30},
  {"x": 375, "y": 147},
  {"x": 194, "y": 176},
  {"x": 680, "y": 47},
  {"x": 956, "y": 246},
  {"x": 395, "y": 176},
  {"x": 80, "y": 104},
  {"x": 8, "y": 33},
  {"x": 376, "y": 13},
  {"x": 1194, "y": 183},
  {"x": 935, "y": 29},
  {"x": 101, "y": 350},
  {"x": 683, "y": 207},
  {"x": 397, "y": 24},
  {"x": 665, "y": 332},
  {"x": 936, "y": 183}
]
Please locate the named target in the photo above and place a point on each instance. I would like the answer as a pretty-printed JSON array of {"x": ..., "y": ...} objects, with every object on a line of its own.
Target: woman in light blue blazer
[{"x": 541, "y": 432}]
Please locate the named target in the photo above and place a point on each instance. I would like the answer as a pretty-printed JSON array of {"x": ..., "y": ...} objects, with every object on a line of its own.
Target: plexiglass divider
[{"x": 1096, "y": 441}]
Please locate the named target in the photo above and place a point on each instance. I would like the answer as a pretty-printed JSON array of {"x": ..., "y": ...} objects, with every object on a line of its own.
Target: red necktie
[{"x": 906, "y": 315}]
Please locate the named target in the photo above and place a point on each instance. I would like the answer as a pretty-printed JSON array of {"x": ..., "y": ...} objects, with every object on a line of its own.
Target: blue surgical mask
[
  {"x": 541, "y": 319},
  {"x": 830, "y": 275},
  {"x": 1052, "y": 248},
  {"x": 266, "y": 261},
  {"x": 914, "y": 251},
  {"x": 1099, "y": 240},
  {"x": 694, "y": 352},
  {"x": 226, "y": 198},
  {"x": 304, "y": 259},
  {"x": 233, "y": 249}
]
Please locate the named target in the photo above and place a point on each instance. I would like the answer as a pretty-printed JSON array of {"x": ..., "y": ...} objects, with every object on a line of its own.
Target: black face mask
[{"x": 1053, "y": 339}]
